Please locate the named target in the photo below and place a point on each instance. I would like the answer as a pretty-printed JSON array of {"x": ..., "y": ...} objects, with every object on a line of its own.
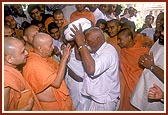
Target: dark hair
[
  {"x": 101, "y": 21},
  {"x": 149, "y": 16},
  {"x": 118, "y": 10},
  {"x": 128, "y": 24},
  {"x": 25, "y": 24},
  {"x": 114, "y": 20},
  {"x": 51, "y": 26},
  {"x": 58, "y": 11},
  {"x": 32, "y": 7}
]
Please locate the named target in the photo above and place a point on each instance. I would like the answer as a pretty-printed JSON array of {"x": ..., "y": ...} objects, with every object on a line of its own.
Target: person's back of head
[
  {"x": 128, "y": 24},
  {"x": 29, "y": 32}
]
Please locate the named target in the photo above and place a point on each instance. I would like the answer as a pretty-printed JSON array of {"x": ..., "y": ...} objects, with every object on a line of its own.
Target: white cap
[{"x": 85, "y": 23}]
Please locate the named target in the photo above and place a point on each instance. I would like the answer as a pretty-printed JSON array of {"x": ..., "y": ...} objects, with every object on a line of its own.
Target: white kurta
[
  {"x": 104, "y": 86},
  {"x": 139, "y": 97}
]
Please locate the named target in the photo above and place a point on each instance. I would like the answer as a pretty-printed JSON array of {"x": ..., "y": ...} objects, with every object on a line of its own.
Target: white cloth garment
[
  {"x": 85, "y": 23},
  {"x": 139, "y": 97},
  {"x": 149, "y": 32},
  {"x": 20, "y": 20},
  {"x": 98, "y": 14},
  {"x": 104, "y": 86},
  {"x": 80, "y": 102}
]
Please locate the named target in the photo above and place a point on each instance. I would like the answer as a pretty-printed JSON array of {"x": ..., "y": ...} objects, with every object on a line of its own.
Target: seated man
[{"x": 46, "y": 75}]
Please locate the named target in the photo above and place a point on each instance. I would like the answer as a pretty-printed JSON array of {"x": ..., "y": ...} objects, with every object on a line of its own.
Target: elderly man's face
[{"x": 20, "y": 54}]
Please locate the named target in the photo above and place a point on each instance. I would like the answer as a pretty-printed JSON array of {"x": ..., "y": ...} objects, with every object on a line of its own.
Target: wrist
[
  {"x": 152, "y": 67},
  {"x": 81, "y": 46}
]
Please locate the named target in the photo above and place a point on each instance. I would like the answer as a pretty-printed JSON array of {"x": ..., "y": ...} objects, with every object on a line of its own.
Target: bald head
[
  {"x": 11, "y": 44},
  {"x": 41, "y": 38},
  {"x": 14, "y": 52},
  {"x": 42, "y": 44},
  {"x": 30, "y": 29},
  {"x": 29, "y": 33}
]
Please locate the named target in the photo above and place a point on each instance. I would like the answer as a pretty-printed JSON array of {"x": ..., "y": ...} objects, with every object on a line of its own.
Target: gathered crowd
[{"x": 82, "y": 57}]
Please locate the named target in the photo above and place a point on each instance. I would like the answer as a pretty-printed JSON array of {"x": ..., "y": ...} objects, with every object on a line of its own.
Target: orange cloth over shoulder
[
  {"x": 14, "y": 79},
  {"x": 129, "y": 58},
  {"x": 40, "y": 73},
  {"x": 83, "y": 14},
  {"x": 130, "y": 73},
  {"x": 141, "y": 38},
  {"x": 113, "y": 42}
]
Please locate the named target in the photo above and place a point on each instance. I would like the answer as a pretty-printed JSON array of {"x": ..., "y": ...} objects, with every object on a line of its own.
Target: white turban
[{"x": 85, "y": 23}]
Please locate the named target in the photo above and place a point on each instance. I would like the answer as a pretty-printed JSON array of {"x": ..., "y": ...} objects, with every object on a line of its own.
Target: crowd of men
[{"x": 82, "y": 58}]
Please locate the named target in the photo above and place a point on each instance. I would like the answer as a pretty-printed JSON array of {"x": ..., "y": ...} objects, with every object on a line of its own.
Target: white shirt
[
  {"x": 105, "y": 86},
  {"x": 98, "y": 14},
  {"x": 20, "y": 20},
  {"x": 149, "y": 32},
  {"x": 139, "y": 97}
]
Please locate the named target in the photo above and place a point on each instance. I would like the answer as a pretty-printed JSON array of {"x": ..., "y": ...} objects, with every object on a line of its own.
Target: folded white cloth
[{"x": 85, "y": 23}]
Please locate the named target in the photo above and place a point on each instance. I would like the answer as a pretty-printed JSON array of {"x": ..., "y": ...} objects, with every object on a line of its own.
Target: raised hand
[
  {"x": 66, "y": 52},
  {"x": 78, "y": 34},
  {"x": 146, "y": 60}
]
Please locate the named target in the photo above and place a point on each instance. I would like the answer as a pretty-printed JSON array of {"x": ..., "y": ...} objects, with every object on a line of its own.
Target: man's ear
[
  {"x": 25, "y": 38},
  {"x": 9, "y": 59},
  {"x": 39, "y": 48}
]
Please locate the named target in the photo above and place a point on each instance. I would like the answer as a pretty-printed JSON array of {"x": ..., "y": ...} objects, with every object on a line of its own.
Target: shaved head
[
  {"x": 43, "y": 44},
  {"x": 40, "y": 39},
  {"x": 14, "y": 52},
  {"x": 29, "y": 29},
  {"x": 11, "y": 44},
  {"x": 29, "y": 33}
]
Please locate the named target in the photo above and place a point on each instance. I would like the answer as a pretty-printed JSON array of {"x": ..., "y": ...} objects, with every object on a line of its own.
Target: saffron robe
[
  {"x": 131, "y": 71},
  {"x": 40, "y": 73}
]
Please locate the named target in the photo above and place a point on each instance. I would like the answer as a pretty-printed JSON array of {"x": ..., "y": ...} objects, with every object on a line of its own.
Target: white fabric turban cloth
[{"x": 85, "y": 23}]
